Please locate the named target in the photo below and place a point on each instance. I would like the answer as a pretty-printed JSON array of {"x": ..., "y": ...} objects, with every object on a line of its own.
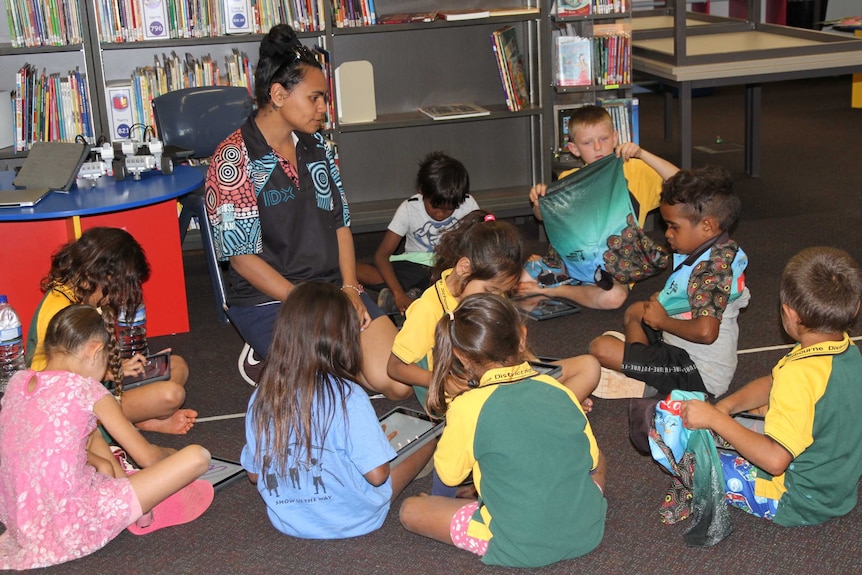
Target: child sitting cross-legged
[
  {"x": 805, "y": 467},
  {"x": 314, "y": 446},
  {"x": 685, "y": 336},
  {"x": 63, "y": 494},
  {"x": 537, "y": 469},
  {"x": 442, "y": 199}
]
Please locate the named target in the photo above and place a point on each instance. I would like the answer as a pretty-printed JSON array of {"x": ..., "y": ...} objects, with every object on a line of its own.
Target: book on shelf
[
  {"x": 570, "y": 8},
  {"x": 516, "y": 11},
  {"x": 572, "y": 61},
  {"x": 453, "y": 111},
  {"x": 43, "y": 23},
  {"x": 50, "y": 107},
  {"x": 618, "y": 110},
  {"x": 463, "y": 14},
  {"x": 612, "y": 53},
  {"x": 325, "y": 58},
  {"x": 510, "y": 62},
  {"x": 407, "y": 18},
  {"x": 134, "y": 20},
  {"x": 610, "y": 6},
  {"x": 354, "y": 13}
]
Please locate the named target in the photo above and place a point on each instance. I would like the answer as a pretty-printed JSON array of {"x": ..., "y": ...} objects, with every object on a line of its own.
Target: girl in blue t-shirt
[{"x": 312, "y": 436}]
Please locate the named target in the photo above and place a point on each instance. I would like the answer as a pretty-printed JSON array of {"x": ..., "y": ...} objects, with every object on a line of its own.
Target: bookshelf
[
  {"x": 588, "y": 43},
  {"x": 431, "y": 64},
  {"x": 50, "y": 64},
  {"x": 416, "y": 64}
]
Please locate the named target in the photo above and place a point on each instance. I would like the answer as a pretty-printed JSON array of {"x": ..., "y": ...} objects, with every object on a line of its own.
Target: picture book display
[
  {"x": 569, "y": 8},
  {"x": 573, "y": 61},
  {"x": 408, "y": 430},
  {"x": 453, "y": 111}
]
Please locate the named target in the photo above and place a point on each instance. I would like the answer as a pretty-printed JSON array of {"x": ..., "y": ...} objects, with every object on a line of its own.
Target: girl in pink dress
[{"x": 62, "y": 493}]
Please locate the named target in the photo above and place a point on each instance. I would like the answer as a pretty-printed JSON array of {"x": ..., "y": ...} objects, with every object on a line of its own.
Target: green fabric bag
[{"x": 590, "y": 221}]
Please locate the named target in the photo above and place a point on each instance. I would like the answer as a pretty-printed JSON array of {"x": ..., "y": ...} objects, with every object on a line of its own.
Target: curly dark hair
[
  {"x": 705, "y": 191},
  {"x": 107, "y": 261}
]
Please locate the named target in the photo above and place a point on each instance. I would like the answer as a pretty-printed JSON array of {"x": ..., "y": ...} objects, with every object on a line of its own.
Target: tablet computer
[
  {"x": 541, "y": 307},
  {"x": 547, "y": 368},
  {"x": 156, "y": 368},
  {"x": 748, "y": 420},
  {"x": 222, "y": 472},
  {"x": 408, "y": 430}
]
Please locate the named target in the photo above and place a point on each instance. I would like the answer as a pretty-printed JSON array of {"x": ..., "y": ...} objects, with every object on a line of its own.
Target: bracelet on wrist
[{"x": 359, "y": 289}]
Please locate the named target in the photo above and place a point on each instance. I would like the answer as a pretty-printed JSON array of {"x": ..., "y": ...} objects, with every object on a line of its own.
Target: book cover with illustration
[
  {"x": 567, "y": 8},
  {"x": 573, "y": 61}
]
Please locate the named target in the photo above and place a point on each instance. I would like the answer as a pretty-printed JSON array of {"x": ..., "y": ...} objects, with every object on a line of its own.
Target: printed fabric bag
[{"x": 590, "y": 222}]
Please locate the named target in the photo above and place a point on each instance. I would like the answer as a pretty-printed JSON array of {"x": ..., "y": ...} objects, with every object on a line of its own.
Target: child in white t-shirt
[{"x": 442, "y": 199}]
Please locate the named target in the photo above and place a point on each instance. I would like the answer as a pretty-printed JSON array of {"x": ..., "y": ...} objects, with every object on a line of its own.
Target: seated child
[
  {"x": 106, "y": 268},
  {"x": 63, "y": 494},
  {"x": 442, "y": 200},
  {"x": 805, "y": 467},
  {"x": 314, "y": 446},
  {"x": 480, "y": 255},
  {"x": 685, "y": 336},
  {"x": 530, "y": 512},
  {"x": 592, "y": 137}
]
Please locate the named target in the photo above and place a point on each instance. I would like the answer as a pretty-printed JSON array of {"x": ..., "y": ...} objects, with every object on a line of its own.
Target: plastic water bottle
[
  {"x": 11, "y": 343},
  {"x": 133, "y": 334}
]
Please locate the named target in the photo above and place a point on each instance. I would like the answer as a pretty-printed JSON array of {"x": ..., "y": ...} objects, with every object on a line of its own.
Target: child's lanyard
[
  {"x": 444, "y": 299},
  {"x": 692, "y": 257}
]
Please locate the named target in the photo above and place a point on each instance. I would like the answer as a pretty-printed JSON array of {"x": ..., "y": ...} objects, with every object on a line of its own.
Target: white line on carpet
[
  {"x": 220, "y": 417},
  {"x": 381, "y": 396}
]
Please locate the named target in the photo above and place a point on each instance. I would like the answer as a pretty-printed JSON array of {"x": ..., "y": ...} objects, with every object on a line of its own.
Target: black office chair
[{"x": 191, "y": 123}]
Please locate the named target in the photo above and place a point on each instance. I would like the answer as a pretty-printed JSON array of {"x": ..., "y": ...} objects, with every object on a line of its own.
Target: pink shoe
[{"x": 184, "y": 506}]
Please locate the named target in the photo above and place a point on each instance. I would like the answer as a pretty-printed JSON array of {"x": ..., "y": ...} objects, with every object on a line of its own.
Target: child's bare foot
[
  {"x": 178, "y": 424},
  {"x": 587, "y": 405}
]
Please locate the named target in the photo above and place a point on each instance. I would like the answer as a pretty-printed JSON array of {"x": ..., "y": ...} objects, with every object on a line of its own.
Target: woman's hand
[{"x": 359, "y": 306}]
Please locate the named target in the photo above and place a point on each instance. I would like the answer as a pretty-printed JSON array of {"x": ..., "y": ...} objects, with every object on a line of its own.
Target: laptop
[{"x": 49, "y": 166}]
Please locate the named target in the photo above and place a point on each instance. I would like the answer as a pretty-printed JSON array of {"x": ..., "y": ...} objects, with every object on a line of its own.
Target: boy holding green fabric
[{"x": 593, "y": 137}]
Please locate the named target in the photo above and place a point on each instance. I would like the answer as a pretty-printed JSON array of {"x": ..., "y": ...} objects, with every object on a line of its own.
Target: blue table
[
  {"x": 146, "y": 208},
  {"x": 107, "y": 195}
]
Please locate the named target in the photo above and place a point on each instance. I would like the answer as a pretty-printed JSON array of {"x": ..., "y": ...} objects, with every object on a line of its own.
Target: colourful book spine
[
  {"x": 19, "y": 115},
  {"x": 502, "y": 69}
]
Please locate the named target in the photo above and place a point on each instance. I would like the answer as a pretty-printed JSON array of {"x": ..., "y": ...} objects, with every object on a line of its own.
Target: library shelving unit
[
  {"x": 56, "y": 57},
  {"x": 414, "y": 65},
  {"x": 433, "y": 63},
  {"x": 588, "y": 61}
]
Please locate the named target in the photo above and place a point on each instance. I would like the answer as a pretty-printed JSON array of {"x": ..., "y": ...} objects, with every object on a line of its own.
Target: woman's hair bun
[{"x": 279, "y": 43}]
